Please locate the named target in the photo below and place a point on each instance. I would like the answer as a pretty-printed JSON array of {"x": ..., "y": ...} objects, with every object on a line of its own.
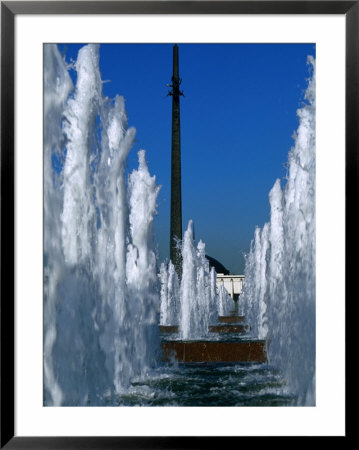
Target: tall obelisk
[{"x": 176, "y": 199}]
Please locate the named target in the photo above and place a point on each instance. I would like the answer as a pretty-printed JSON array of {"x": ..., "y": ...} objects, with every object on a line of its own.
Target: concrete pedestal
[
  {"x": 230, "y": 319},
  {"x": 214, "y": 351},
  {"x": 222, "y": 329}
]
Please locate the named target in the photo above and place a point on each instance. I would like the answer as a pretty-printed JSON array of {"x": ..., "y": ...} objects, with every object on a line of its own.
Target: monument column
[{"x": 176, "y": 199}]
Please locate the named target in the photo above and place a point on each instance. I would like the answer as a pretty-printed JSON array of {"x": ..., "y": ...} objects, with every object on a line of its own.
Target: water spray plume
[
  {"x": 101, "y": 288},
  {"x": 279, "y": 291}
]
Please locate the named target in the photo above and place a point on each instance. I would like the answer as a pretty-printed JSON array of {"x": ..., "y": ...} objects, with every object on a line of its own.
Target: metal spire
[{"x": 176, "y": 199}]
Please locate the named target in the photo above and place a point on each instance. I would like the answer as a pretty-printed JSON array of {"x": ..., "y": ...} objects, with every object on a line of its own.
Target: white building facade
[{"x": 232, "y": 283}]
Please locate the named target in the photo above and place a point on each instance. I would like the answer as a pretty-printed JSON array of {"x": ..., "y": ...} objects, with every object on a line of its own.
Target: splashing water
[
  {"x": 214, "y": 299},
  {"x": 224, "y": 302},
  {"x": 101, "y": 302},
  {"x": 101, "y": 289},
  {"x": 279, "y": 291},
  {"x": 170, "y": 294},
  {"x": 57, "y": 86},
  {"x": 195, "y": 303}
]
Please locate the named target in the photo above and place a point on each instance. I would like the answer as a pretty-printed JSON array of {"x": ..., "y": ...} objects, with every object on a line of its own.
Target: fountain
[
  {"x": 192, "y": 303},
  {"x": 196, "y": 302},
  {"x": 279, "y": 292},
  {"x": 225, "y": 302},
  {"x": 104, "y": 300},
  {"x": 195, "y": 295},
  {"x": 205, "y": 314},
  {"x": 170, "y": 301},
  {"x": 101, "y": 289}
]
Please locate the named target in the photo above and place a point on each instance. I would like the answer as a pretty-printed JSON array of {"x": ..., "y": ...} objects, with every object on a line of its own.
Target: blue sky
[{"x": 238, "y": 117}]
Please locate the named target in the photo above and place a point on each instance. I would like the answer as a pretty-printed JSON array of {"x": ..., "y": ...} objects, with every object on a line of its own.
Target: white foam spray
[
  {"x": 279, "y": 291},
  {"x": 57, "y": 86},
  {"x": 101, "y": 289},
  {"x": 196, "y": 302},
  {"x": 225, "y": 303},
  {"x": 170, "y": 294}
]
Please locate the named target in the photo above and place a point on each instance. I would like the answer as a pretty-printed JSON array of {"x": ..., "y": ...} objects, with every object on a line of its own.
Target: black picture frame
[{"x": 9, "y": 9}]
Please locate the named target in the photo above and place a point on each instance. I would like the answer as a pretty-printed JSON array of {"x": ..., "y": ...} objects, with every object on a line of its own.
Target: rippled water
[{"x": 207, "y": 384}]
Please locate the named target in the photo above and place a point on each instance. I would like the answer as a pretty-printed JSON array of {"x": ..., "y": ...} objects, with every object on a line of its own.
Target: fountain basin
[
  {"x": 215, "y": 351},
  {"x": 231, "y": 319},
  {"x": 222, "y": 329},
  {"x": 168, "y": 328},
  {"x": 228, "y": 328}
]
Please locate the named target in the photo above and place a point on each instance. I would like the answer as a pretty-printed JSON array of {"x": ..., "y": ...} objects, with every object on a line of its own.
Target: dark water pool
[{"x": 209, "y": 385}]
